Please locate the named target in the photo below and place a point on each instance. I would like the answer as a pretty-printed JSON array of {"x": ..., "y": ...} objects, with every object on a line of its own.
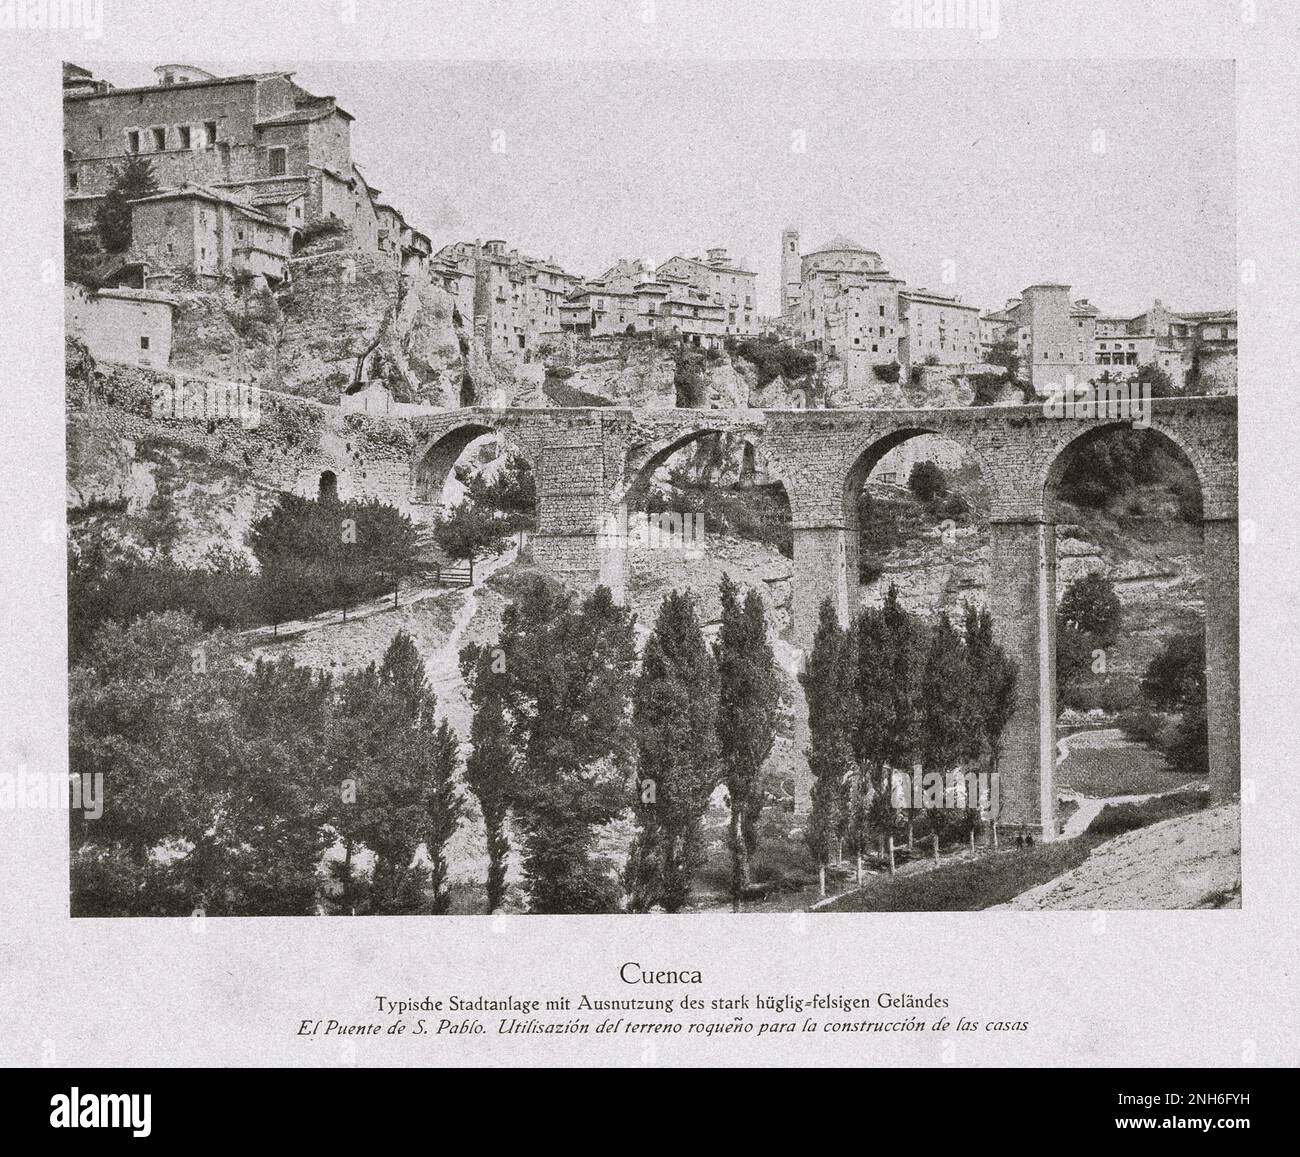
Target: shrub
[
  {"x": 987, "y": 388},
  {"x": 1142, "y": 725},
  {"x": 1116, "y": 819},
  {"x": 927, "y": 481},
  {"x": 889, "y": 373},
  {"x": 773, "y": 359}
]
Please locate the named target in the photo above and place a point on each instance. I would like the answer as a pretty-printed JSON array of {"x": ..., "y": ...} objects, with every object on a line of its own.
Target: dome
[{"x": 840, "y": 242}]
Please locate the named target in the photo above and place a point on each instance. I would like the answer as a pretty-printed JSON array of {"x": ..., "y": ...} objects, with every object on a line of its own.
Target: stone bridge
[{"x": 591, "y": 463}]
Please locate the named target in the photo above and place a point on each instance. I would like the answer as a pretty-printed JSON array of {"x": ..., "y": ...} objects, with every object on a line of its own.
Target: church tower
[{"x": 789, "y": 271}]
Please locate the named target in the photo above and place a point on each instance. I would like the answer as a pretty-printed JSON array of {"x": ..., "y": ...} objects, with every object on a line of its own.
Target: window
[
  {"x": 209, "y": 133},
  {"x": 132, "y": 142},
  {"x": 144, "y": 342},
  {"x": 882, "y": 311},
  {"x": 184, "y": 132},
  {"x": 159, "y": 139},
  {"x": 275, "y": 162},
  {"x": 72, "y": 179},
  {"x": 873, "y": 349}
]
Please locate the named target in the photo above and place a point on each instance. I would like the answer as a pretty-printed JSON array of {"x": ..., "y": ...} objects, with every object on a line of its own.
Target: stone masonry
[{"x": 593, "y": 463}]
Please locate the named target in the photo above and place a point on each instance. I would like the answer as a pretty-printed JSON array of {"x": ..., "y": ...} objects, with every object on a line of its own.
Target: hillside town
[
  {"x": 826, "y": 540},
  {"x": 253, "y": 179}
]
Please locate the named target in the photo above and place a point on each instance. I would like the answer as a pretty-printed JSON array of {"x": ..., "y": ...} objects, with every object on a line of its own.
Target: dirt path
[{"x": 444, "y": 671}]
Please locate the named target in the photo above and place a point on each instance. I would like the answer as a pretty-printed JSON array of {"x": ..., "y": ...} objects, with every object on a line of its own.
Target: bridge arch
[
  {"x": 644, "y": 460},
  {"x": 826, "y": 521},
  {"x": 631, "y": 494},
  {"x": 433, "y": 463},
  {"x": 1215, "y": 515},
  {"x": 1062, "y": 451}
]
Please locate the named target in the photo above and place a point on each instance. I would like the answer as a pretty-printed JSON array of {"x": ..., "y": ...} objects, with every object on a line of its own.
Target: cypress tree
[
  {"x": 829, "y": 683},
  {"x": 489, "y": 768},
  {"x": 748, "y": 700},
  {"x": 675, "y": 715}
]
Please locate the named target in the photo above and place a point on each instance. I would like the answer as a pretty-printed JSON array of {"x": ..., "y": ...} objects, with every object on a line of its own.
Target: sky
[{"x": 975, "y": 178}]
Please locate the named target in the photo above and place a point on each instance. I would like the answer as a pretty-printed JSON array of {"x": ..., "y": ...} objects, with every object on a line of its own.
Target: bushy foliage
[
  {"x": 675, "y": 710},
  {"x": 316, "y": 554},
  {"x": 567, "y": 677},
  {"x": 927, "y": 481},
  {"x": 748, "y": 701},
  {"x": 224, "y": 786},
  {"x": 133, "y": 180},
  {"x": 773, "y": 359}
]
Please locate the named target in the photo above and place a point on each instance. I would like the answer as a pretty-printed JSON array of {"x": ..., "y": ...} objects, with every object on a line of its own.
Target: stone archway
[
  {"x": 826, "y": 533},
  {"x": 1219, "y": 555},
  {"x": 631, "y": 496}
]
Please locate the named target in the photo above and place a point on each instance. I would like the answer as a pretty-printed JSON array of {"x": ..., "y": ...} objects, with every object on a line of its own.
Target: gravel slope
[{"x": 1191, "y": 861}]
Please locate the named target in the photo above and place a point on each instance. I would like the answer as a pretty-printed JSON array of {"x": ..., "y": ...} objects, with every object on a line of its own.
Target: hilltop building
[
  {"x": 258, "y": 139},
  {"x": 514, "y": 302},
  {"x": 1055, "y": 336},
  {"x": 721, "y": 284},
  {"x": 846, "y": 304},
  {"x": 209, "y": 234}
]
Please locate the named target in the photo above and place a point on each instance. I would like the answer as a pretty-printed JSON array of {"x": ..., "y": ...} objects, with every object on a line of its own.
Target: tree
[
  {"x": 1175, "y": 681},
  {"x": 829, "y": 683},
  {"x": 319, "y": 553},
  {"x": 1005, "y": 353},
  {"x": 1157, "y": 381},
  {"x": 748, "y": 702},
  {"x": 675, "y": 716},
  {"x": 134, "y": 180},
  {"x": 222, "y": 767},
  {"x": 466, "y": 531},
  {"x": 891, "y": 656},
  {"x": 994, "y": 677},
  {"x": 1087, "y": 621},
  {"x": 489, "y": 768},
  {"x": 566, "y": 691},
  {"x": 1090, "y": 605},
  {"x": 1175, "y": 677},
  {"x": 949, "y": 714},
  {"x": 927, "y": 481},
  {"x": 510, "y": 495},
  {"x": 399, "y": 763}
]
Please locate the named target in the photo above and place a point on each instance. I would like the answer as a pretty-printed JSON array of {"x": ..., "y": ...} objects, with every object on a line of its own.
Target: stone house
[
  {"x": 121, "y": 325},
  {"x": 208, "y": 233}
]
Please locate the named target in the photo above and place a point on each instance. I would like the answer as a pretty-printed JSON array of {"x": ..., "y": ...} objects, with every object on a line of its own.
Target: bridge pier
[
  {"x": 1022, "y": 600},
  {"x": 1219, "y": 550},
  {"x": 821, "y": 571}
]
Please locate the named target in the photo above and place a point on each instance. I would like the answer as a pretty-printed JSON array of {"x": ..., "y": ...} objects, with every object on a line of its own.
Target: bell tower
[{"x": 789, "y": 271}]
